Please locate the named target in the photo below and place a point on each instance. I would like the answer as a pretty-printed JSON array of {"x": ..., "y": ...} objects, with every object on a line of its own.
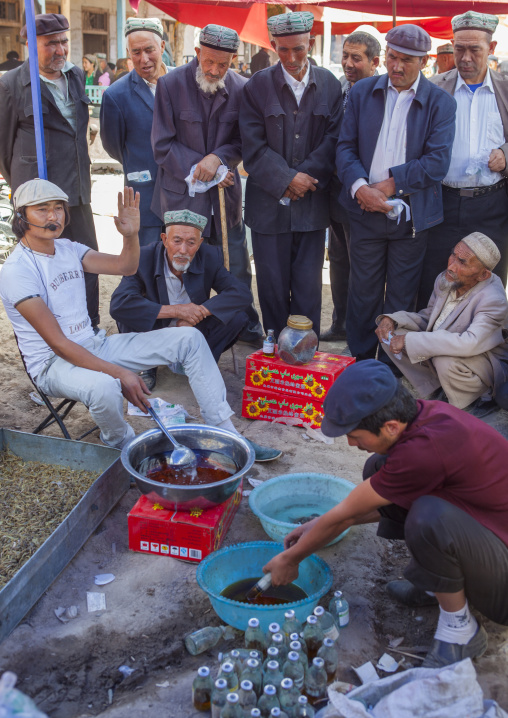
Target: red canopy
[
  {"x": 440, "y": 27},
  {"x": 416, "y": 8}
]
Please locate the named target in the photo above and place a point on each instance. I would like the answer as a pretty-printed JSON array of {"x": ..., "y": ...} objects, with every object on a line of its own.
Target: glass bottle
[
  {"x": 202, "y": 688},
  {"x": 253, "y": 673},
  {"x": 313, "y": 636},
  {"x": 330, "y": 657},
  {"x": 247, "y": 697},
  {"x": 232, "y": 708},
  {"x": 273, "y": 628},
  {"x": 258, "y": 655},
  {"x": 304, "y": 709},
  {"x": 315, "y": 681},
  {"x": 327, "y": 621},
  {"x": 268, "y": 701},
  {"x": 272, "y": 654},
  {"x": 296, "y": 646},
  {"x": 293, "y": 668},
  {"x": 297, "y": 342},
  {"x": 277, "y": 713},
  {"x": 219, "y": 695},
  {"x": 255, "y": 713},
  {"x": 280, "y": 644},
  {"x": 254, "y": 636},
  {"x": 288, "y": 696},
  {"x": 242, "y": 652},
  {"x": 339, "y": 608},
  {"x": 205, "y": 638},
  {"x": 299, "y": 637},
  {"x": 291, "y": 623},
  {"x": 227, "y": 672},
  {"x": 269, "y": 344},
  {"x": 273, "y": 675}
]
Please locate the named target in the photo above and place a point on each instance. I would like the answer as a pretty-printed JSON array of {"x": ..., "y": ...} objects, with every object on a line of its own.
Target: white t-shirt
[{"x": 59, "y": 280}]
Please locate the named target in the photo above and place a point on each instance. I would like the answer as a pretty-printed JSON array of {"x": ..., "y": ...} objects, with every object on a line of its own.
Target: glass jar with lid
[{"x": 297, "y": 342}]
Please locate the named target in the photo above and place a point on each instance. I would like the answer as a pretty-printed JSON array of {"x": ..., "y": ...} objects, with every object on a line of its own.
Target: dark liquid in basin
[
  {"x": 211, "y": 467},
  {"x": 271, "y": 597}
]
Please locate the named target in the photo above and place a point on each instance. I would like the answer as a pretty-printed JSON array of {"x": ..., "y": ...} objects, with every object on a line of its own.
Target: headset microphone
[{"x": 50, "y": 227}]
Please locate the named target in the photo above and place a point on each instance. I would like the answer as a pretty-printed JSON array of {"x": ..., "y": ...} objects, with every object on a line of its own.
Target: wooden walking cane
[{"x": 225, "y": 252}]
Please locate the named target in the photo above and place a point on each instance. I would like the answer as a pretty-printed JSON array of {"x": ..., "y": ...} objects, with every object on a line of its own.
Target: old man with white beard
[
  {"x": 455, "y": 349},
  {"x": 195, "y": 122}
]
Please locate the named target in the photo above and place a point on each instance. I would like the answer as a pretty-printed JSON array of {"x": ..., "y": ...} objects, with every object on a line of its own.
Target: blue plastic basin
[
  {"x": 281, "y": 500},
  {"x": 246, "y": 560}
]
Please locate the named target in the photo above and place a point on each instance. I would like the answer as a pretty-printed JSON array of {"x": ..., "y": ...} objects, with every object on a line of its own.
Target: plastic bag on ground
[
  {"x": 418, "y": 692},
  {"x": 14, "y": 703}
]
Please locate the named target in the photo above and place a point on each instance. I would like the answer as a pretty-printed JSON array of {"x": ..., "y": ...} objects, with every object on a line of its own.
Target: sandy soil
[{"x": 72, "y": 670}]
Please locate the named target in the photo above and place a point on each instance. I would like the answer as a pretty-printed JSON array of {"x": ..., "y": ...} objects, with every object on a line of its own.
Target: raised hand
[{"x": 127, "y": 222}]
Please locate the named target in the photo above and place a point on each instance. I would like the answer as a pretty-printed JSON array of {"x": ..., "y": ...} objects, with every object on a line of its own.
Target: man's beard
[
  {"x": 446, "y": 285},
  {"x": 181, "y": 264},
  {"x": 207, "y": 86}
]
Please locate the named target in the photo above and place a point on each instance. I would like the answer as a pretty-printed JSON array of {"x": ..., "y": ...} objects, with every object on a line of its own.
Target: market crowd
[{"x": 405, "y": 175}]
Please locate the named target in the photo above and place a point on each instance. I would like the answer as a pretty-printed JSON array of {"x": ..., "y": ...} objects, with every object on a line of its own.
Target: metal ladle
[{"x": 181, "y": 456}]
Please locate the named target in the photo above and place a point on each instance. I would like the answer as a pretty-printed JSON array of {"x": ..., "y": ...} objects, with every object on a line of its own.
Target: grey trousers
[{"x": 463, "y": 380}]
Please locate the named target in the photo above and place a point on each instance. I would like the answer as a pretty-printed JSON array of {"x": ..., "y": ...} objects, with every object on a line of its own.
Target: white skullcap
[
  {"x": 37, "y": 191},
  {"x": 484, "y": 248}
]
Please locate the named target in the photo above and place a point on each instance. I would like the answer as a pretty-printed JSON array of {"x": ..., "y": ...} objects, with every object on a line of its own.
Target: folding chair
[{"x": 56, "y": 413}]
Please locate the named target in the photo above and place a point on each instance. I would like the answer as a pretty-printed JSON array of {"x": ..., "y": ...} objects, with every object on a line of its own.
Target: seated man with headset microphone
[{"x": 42, "y": 287}]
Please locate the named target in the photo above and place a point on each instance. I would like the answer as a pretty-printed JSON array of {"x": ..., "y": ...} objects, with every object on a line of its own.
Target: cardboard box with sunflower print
[
  {"x": 311, "y": 380},
  {"x": 269, "y": 405}
]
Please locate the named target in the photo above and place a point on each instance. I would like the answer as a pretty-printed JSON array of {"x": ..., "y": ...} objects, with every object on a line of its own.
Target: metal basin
[{"x": 194, "y": 436}]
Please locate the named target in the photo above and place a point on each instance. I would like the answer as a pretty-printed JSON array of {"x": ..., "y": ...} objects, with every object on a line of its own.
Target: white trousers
[{"x": 103, "y": 395}]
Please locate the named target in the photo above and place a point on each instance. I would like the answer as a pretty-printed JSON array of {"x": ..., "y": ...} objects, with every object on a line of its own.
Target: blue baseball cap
[{"x": 361, "y": 390}]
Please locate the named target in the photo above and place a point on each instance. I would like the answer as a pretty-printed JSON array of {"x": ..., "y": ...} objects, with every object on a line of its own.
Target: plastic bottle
[
  {"x": 294, "y": 669},
  {"x": 291, "y": 623},
  {"x": 313, "y": 636},
  {"x": 272, "y": 654},
  {"x": 288, "y": 696},
  {"x": 247, "y": 697},
  {"x": 202, "y": 688},
  {"x": 206, "y": 638},
  {"x": 269, "y": 344},
  {"x": 296, "y": 646},
  {"x": 254, "y": 637},
  {"x": 277, "y": 713},
  {"x": 227, "y": 672},
  {"x": 268, "y": 701},
  {"x": 327, "y": 622},
  {"x": 272, "y": 675},
  {"x": 299, "y": 637},
  {"x": 315, "y": 681},
  {"x": 304, "y": 709},
  {"x": 253, "y": 673},
  {"x": 280, "y": 644},
  {"x": 339, "y": 608},
  {"x": 232, "y": 708},
  {"x": 330, "y": 656},
  {"x": 219, "y": 695}
]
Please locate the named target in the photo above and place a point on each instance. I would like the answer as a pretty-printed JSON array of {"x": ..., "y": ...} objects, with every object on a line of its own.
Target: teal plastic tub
[
  {"x": 245, "y": 560},
  {"x": 282, "y": 501}
]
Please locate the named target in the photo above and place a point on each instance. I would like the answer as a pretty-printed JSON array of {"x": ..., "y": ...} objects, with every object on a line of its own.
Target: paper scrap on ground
[
  {"x": 317, "y": 435},
  {"x": 366, "y": 673},
  {"x": 387, "y": 663},
  {"x": 170, "y": 414},
  {"x": 254, "y": 482},
  {"x": 95, "y": 601},
  {"x": 104, "y": 578}
]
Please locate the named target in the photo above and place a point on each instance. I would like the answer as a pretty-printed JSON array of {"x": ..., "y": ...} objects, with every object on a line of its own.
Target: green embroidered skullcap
[
  {"x": 219, "y": 37},
  {"x": 472, "y": 20},
  {"x": 446, "y": 49},
  {"x": 185, "y": 216},
  {"x": 144, "y": 24},
  {"x": 291, "y": 23}
]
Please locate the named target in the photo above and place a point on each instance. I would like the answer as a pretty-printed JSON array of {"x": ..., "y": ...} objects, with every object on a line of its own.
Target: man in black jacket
[
  {"x": 173, "y": 284},
  {"x": 65, "y": 119}
]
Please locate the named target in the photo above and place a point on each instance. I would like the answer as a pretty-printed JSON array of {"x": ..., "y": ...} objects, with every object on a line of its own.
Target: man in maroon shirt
[{"x": 439, "y": 480}]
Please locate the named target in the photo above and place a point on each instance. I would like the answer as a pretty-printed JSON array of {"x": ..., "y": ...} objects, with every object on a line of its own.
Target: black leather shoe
[
  {"x": 406, "y": 593},
  {"x": 480, "y": 408},
  {"x": 334, "y": 334},
  {"x": 444, "y": 654},
  {"x": 149, "y": 376}
]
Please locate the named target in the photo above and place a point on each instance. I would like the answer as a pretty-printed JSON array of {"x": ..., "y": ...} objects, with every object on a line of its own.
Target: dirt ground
[{"x": 71, "y": 670}]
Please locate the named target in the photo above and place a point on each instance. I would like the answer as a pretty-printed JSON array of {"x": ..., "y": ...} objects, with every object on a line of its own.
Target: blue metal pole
[
  {"x": 120, "y": 28},
  {"x": 35, "y": 81}
]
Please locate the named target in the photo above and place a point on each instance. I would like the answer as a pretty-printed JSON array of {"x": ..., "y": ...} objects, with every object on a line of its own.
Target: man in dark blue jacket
[
  {"x": 127, "y": 114},
  {"x": 289, "y": 122},
  {"x": 395, "y": 144},
  {"x": 172, "y": 288}
]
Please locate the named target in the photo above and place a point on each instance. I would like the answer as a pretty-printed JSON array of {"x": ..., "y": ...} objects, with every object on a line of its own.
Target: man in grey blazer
[
  {"x": 475, "y": 188},
  {"x": 457, "y": 343}
]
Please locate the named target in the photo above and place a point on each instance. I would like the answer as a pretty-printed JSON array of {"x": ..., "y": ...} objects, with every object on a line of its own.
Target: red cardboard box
[
  {"x": 268, "y": 405},
  {"x": 311, "y": 380},
  {"x": 186, "y": 535}
]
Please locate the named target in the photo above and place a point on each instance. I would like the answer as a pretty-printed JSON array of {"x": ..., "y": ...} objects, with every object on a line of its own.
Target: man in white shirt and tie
[
  {"x": 475, "y": 188},
  {"x": 394, "y": 144}
]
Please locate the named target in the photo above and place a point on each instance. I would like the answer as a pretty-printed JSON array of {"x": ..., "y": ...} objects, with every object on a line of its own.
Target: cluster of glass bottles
[{"x": 280, "y": 674}]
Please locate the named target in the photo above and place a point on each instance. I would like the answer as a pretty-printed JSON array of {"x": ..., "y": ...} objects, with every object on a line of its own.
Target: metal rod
[
  {"x": 35, "y": 84},
  {"x": 394, "y": 13}
]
